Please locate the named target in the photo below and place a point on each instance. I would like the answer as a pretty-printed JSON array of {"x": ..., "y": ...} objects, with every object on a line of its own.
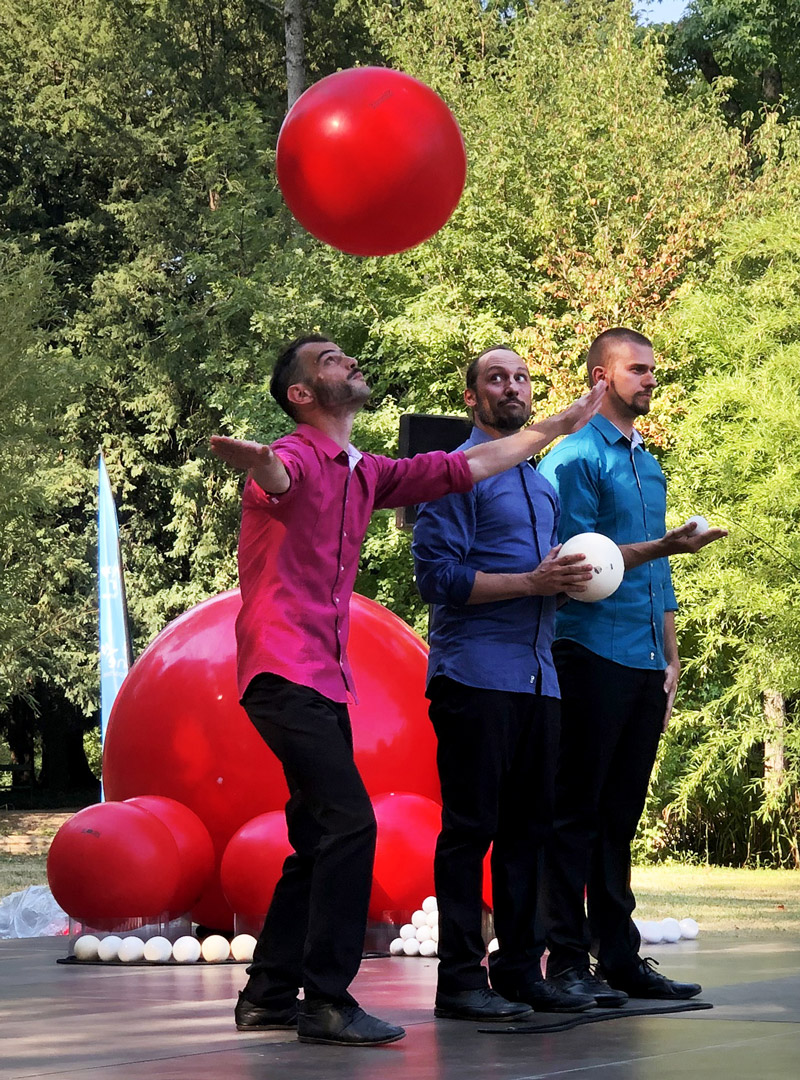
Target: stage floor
[{"x": 176, "y": 1023}]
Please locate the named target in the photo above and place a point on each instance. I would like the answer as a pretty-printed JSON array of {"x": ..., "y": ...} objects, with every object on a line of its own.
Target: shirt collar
[
  {"x": 611, "y": 432},
  {"x": 326, "y": 445}
]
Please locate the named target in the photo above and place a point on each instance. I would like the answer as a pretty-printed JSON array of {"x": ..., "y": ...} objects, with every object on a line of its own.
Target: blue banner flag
[{"x": 115, "y": 649}]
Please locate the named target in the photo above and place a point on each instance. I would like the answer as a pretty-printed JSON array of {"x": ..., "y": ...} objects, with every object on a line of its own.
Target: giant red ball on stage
[
  {"x": 371, "y": 161},
  {"x": 408, "y": 826},
  {"x": 111, "y": 862},
  {"x": 253, "y": 862},
  {"x": 177, "y": 728},
  {"x": 195, "y": 848}
]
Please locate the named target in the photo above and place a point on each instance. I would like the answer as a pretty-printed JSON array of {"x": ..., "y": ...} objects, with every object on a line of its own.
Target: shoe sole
[
  {"x": 452, "y": 1014},
  {"x": 346, "y": 1042},
  {"x": 266, "y": 1027}
]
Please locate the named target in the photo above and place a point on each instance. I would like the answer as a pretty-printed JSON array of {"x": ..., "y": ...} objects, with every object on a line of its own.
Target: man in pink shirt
[{"x": 306, "y": 506}]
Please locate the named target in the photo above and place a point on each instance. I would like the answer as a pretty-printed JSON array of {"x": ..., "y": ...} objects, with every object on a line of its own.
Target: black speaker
[{"x": 421, "y": 433}]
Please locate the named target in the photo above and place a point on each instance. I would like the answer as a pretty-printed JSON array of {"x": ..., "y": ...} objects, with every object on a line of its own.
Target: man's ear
[
  {"x": 598, "y": 372},
  {"x": 299, "y": 394},
  {"x": 470, "y": 398}
]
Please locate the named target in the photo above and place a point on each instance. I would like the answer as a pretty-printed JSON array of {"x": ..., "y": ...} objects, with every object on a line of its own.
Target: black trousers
[
  {"x": 611, "y": 722},
  {"x": 496, "y": 757},
  {"x": 313, "y": 935}
]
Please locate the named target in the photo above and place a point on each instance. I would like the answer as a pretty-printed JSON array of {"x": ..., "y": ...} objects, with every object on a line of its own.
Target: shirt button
[
  {"x": 341, "y": 568},
  {"x": 652, "y": 656},
  {"x": 336, "y": 601}
]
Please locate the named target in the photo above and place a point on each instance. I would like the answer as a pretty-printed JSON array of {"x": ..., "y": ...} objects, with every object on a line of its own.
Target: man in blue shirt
[
  {"x": 618, "y": 667},
  {"x": 486, "y": 560}
]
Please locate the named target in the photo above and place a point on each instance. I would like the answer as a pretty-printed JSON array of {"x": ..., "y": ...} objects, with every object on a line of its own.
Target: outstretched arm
[
  {"x": 685, "y": 540},
  {"x": 496, "y": 456},
  {"x": 263, "y": 464}
]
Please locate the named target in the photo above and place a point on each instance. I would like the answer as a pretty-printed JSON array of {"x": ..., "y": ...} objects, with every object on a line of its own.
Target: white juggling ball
[
  {"x": 242, "y": 947},
  {"x": 493, "y": 946},
  {"x": 606, "y": 562},
  {"x": 216, "y": 949},
  {"x": 689, "y": 929},
  {"x": 396, "y": 946},
  {"x": 670, "y": 930},
  {"x": 85, "y": 947},
  {"x": 427, "y": 948},
  {"x": 158, "y": 950},
  {"x": 131, "y": 950},
  {"x": 186, "y": 950},
  {"x": 411, "y": 946},
  {"x": 408, "y": 930},
  {"x": 700, "y": 522},
  {"x": 429, "y": 905},
  {"x": 108, "y": 949},
  {"x": 419, "y": 918},
  {"x": 423, "y": 932}
]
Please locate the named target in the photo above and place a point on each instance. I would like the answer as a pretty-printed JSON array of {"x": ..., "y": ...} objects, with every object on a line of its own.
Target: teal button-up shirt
[{"x": 610, "y": 484}]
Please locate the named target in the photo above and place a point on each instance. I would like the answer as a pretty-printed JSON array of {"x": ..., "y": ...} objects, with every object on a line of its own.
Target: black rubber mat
[{"x": 543, "y": 1023}]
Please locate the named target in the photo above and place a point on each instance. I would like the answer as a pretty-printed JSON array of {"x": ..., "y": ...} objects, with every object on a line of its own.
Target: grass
[{"x": 722, "y": 900}]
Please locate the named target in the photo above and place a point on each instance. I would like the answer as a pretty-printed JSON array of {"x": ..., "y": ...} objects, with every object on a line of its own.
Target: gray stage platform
[{"x": 175, "y": 1023}]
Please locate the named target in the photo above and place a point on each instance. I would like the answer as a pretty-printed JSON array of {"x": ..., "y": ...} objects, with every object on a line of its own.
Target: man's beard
[
  {"x": 334, "y": 395},
  {"x": 502, "y": 420}
]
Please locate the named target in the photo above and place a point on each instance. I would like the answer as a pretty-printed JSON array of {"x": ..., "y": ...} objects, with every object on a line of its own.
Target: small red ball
[
  {"x": 371, "y": 161},
  {"x": 112, "y": 862},
  {"x": 253, "y": 861},
  {"x": 195, "y": 848}
]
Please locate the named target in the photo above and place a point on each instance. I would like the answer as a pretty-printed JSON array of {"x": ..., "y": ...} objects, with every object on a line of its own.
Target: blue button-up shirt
[
  {"x": 506, "y": 524},
  {"x": 610, "y": 484}
]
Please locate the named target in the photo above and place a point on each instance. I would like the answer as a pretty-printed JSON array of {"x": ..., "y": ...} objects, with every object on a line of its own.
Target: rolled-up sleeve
[
  {"x": 293, "y": 460},
  {"x": 443, "y": 535},
  {"x": 405, "y": 481}
]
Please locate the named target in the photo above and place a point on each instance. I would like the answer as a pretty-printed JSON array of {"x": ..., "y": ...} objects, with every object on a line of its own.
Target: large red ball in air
[
  {"x": 111, "y": 862},
  {"x": 371, "y": 161},
  {"x": 408, "y": 826},
  {"x": 253, "y": 861},
  {"x": 177, "y": 728},
  {"x": 195, "y": 848}
]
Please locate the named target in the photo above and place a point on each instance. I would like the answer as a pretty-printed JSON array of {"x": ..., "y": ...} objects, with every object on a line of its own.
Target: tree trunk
[
  {"x": 771, "y": 85},
  {"x": 294, "y": 27},
  {"x": 774, "y": 742}
]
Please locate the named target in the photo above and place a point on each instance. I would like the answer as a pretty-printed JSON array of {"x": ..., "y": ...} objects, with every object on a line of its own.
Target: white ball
[
  {"x": 700, "y": 522},
  {"x": 651, "y": 933},
  {"x": 427, "y": 948},
  {"x": 186, "y": 950},
  {"x": 215, "y": 949},
  {"x": 108, "y": 949},
  {"x": 419, "y": 918},
  {"x": 131, "y": 951},
  {"x": 85, "y": 947},
  {"x": 433, "y": 918},
  {"x": 408, "y": 930},
  {"x": 411, "y": 946},
  {"x": 493, "y": 946},
  {"x": 424, "y": 933},
  {"x": 396, "y": 946},
  {"x": 689, "y": 929},
  {"x": 242, "y": 947},
  {"x": 606, "y": 562},
  {"x": 435, "y": 933},
  {"x": 670, "y": 930},
  {"x": 157, "y": 950},
  {"x": 429, "y": 905}
]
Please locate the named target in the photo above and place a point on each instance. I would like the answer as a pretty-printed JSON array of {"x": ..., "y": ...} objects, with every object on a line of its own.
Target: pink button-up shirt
[{"x": 298, "y": 553}]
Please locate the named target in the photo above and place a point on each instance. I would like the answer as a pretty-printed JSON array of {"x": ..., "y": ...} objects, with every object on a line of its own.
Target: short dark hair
[
  {"x": 471, "y": 377},
  {"x": 287, "y": 370},
  {"x": 604, "y": 344}
]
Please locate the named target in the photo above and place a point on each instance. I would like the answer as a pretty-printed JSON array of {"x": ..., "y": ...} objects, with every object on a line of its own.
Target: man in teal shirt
[{"x": 618, "y": 666}]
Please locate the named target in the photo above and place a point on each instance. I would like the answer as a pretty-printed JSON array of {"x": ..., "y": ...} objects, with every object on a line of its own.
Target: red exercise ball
[
  {"x": 195, "y": 849},
  {"x": 177, "y": 728},
  {"x": 112, "y": 862},
  {"x": 408, "y": 826},
  {"x": 253, "y": 862},
  {"x": 371, "y": 161}
]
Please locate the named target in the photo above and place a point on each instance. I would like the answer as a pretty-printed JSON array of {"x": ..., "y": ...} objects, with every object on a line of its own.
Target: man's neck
[
  {"x": 620, "y": 419},
  {"x": 336, "y": 425},
  {"x": 492, "y": 432}
]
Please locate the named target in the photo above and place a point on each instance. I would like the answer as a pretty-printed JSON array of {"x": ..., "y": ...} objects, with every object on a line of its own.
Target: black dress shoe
[
  {"x": 641, "y": 981},
  {"x": 343, "y": 1025},
  {"x": 481, "y": 1004},
  {"x": 583, "y": 982},
  {"x": 250, "y": 1017},
  {"x": 544, "y": 996}
]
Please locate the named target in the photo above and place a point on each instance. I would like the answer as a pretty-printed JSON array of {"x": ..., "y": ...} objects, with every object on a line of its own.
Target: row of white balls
[
  {"x": 419, "y": 937},
  {"x": 667, "y": 930},
  {"x": 214, "y": 949}
]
